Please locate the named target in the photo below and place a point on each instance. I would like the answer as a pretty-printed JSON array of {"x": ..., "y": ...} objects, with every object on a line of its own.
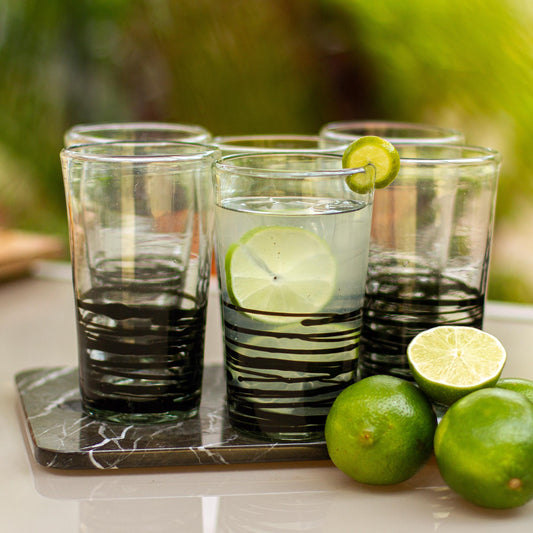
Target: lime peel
[
  {"x": 484, "y": 448},
  {"x": 380, "y": 430},
  {"x": 522, "y": 385}
]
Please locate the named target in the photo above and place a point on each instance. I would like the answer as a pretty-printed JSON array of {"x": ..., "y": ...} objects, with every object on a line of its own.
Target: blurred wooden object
[{"x": 19, "y": 250}]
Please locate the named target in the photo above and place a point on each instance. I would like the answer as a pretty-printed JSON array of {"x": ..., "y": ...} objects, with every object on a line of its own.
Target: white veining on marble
[
  {"x": 200, "y": 451},
  {"x": 56, "y": 402},
  {"x": 115, "y": 440},
  {"x": 213, "y": 420},
  {"x": 263, "y": 453},
  {"x": 50, "y": 376}
]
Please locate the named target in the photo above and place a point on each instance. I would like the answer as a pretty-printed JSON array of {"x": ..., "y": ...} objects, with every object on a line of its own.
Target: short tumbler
[{"x": 140, "y": 221}]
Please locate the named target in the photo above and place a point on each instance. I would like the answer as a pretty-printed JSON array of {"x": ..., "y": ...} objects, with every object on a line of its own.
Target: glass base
[
  {"x": 141, "y": 418},
  {"x": 271, "y": 435},
  {"x": 282, "y": 437}
]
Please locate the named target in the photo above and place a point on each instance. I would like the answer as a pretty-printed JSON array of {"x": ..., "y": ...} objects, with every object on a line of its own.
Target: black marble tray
[{"x": 62, "y": 436}]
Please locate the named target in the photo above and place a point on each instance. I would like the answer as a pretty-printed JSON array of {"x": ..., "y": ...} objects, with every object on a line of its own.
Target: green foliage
[
  {"x": 466, "y": 65},
  {"x": 506, "y": 286}
]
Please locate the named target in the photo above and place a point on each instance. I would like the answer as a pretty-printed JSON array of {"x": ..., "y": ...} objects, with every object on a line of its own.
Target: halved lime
[
  {"x": 449, "y": 362},
  {"x": 279, "y": 272},
  {"x": 377, "y": 156}
]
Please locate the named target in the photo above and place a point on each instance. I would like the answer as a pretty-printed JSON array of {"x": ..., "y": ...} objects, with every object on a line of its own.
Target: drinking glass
[
  {"x": 135, "y": 131},
  {"x": 429, "y": 252},
  {"x": 344, "y": 132},
  {"x": 140, "y": 226},
  {"x": 243, "y": 144},
  {"x": 291, "y": 241}
]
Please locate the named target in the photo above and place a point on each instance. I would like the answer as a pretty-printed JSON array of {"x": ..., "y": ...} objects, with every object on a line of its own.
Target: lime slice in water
[
  {"x": 377, "y": 156},
  {"x": 449, "y": 362},
  {"x": 280, "y": 271}
]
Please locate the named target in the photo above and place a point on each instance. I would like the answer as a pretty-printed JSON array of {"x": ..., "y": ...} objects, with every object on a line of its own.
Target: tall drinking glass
[
  {"x": 140, "y": 223},
  {"x": 135, "y": 131},
  {"x": 429, "y": 253},
  {"x": 246, "y": 144},
  {"x": 292, "y": 249},
  {"x": 344, "y": 132}
]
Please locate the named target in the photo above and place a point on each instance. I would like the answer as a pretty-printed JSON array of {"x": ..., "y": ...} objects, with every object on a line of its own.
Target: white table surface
[{"x": 37, "y": 328}]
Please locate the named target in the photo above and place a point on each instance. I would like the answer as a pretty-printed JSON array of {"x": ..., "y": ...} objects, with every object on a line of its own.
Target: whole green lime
[
  {"x": 484, "y": 448},
  {"x": 380, "y": 430},
  {"x": 521, "y": 385}
]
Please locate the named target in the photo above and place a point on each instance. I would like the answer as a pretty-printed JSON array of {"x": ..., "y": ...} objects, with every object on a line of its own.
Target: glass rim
[
  {"x": 337, "y": 131},
  {"x": 475, "y": 154},
  {"x": 78, "y": 152},
  {"x": 89, "y": 130},
  {"x": 231, "y": 142},
  {"x": 225, "y": 164}
]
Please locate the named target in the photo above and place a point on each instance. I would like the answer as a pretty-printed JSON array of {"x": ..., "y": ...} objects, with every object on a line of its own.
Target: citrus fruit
[
  {"x": 484, "y": 448},
  {"x": 380, "y": 430},
  {"x": 449, "y": 362},
  {"x": 377, "y": 156},
  {"x": 521, "y": 385},
  {"x": 280, "y": 272}
]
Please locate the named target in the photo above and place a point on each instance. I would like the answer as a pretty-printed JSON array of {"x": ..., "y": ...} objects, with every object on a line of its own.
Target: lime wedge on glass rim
[
  {"x": 377, "y": 156},
  {"x": 449, "y": 362},
  {"x": 275, "y": 273}
]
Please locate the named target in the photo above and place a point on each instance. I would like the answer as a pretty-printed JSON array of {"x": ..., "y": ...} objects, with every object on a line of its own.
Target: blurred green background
[{"x": 268, "y": 66}]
